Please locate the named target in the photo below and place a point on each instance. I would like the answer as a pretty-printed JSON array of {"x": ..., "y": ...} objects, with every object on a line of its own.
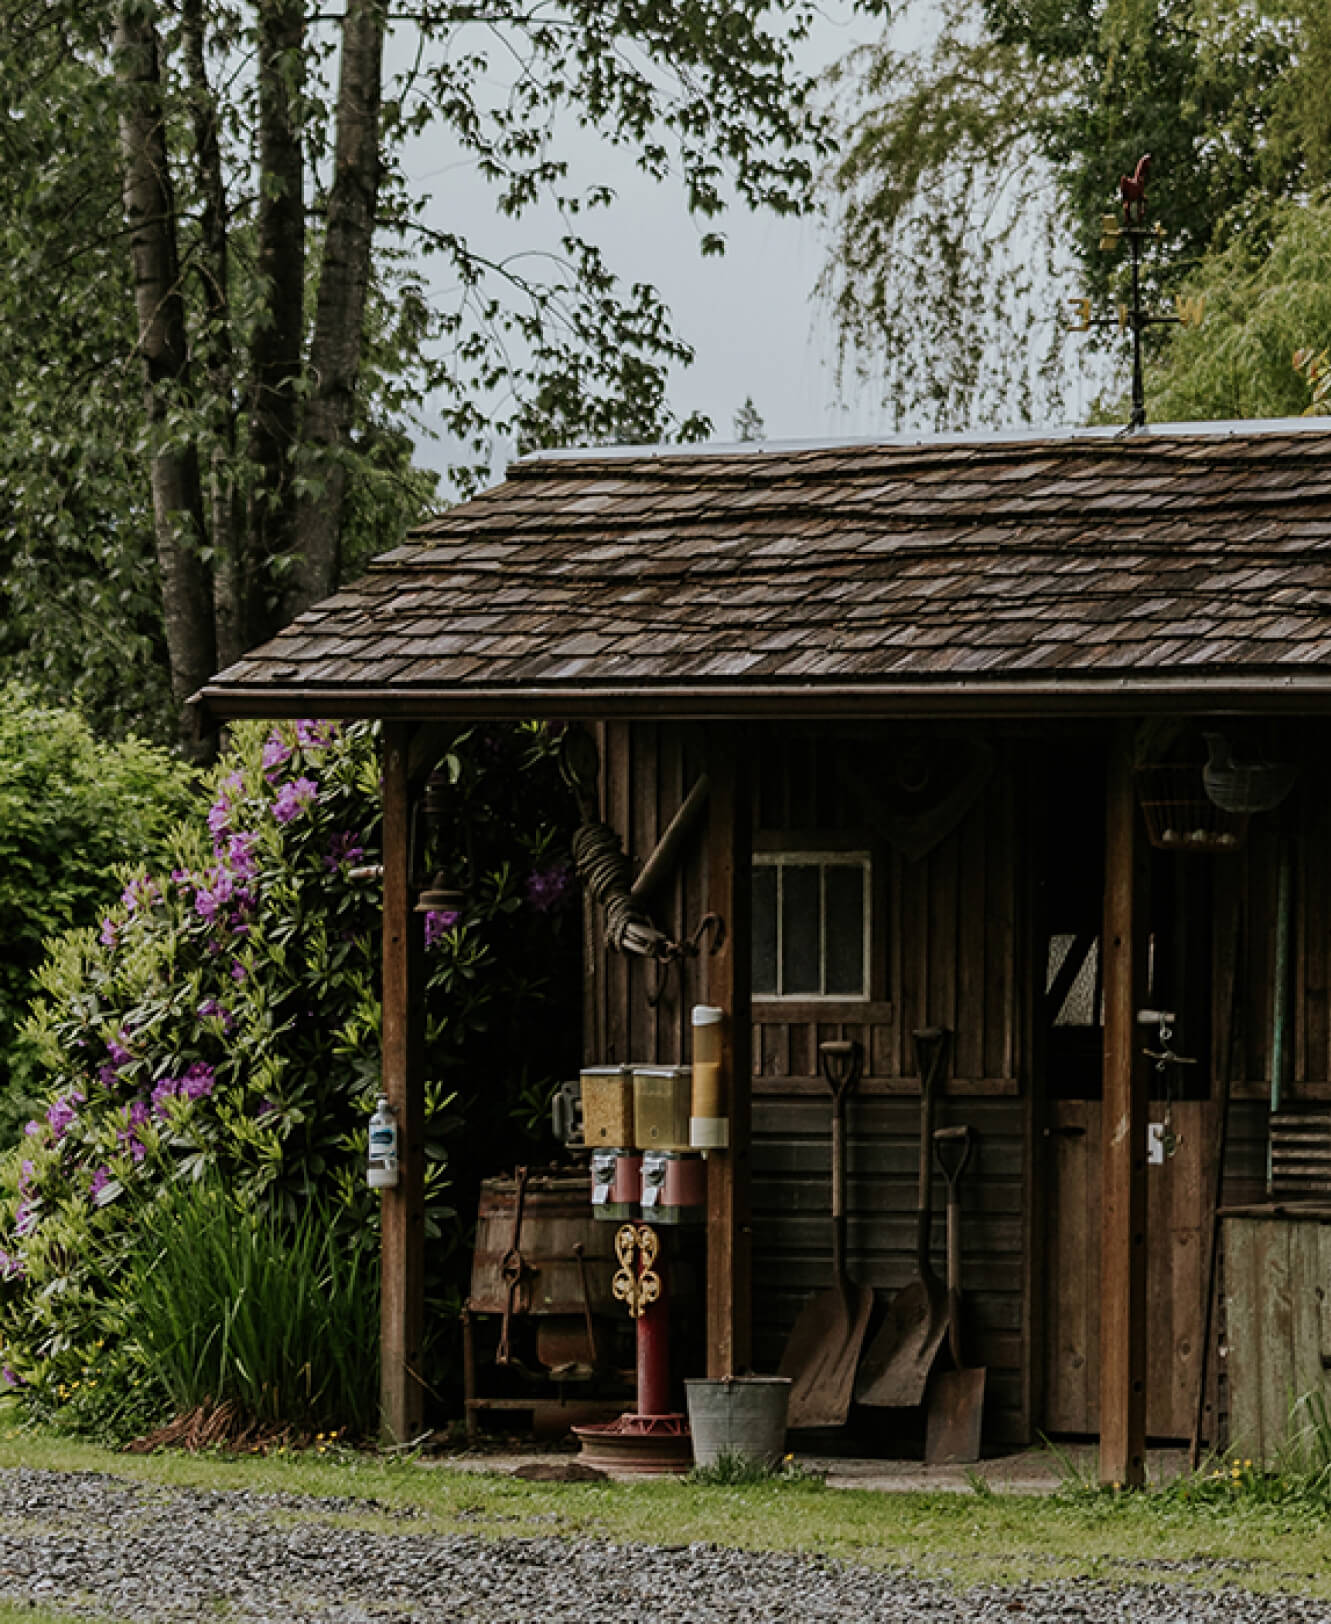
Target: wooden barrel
[{"x": 556, "y": 1215}]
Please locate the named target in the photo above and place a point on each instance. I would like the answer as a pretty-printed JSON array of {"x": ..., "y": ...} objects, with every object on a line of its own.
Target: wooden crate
[{"x": 1277, "y": 1271}]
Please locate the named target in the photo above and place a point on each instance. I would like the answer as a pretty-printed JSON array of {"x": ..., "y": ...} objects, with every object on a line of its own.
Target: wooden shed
[{"x": 950, "y": 697}]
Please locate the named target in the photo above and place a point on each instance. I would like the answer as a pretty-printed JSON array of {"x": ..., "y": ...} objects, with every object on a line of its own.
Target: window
[{"x": 811, "y": 925}]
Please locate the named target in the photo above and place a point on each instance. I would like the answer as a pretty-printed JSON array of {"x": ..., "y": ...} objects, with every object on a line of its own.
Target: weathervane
[{"x": 1132, "y": 317}]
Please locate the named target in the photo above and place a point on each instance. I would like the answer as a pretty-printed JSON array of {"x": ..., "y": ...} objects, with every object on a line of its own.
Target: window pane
[
  {"x": 801, "y": 929},
  {"x": 845, "y": 929},
  {"x": 764, "y": 930}
]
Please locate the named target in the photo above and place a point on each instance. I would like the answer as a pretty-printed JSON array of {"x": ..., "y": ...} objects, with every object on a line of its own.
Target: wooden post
[
  {"x": 402, "y": 1277},
  {"x": 1123, "y": 1141},
  {"x": 729, "y": 1221}
]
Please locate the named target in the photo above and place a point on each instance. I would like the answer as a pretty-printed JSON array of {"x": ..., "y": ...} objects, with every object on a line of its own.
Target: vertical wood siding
[
  {"x": 792, "y": 1224},
  {"x": 952, "y": 953}
]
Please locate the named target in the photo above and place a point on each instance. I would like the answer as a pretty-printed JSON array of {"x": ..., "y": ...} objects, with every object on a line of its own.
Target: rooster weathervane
[{"x": 1133, "y": 317}]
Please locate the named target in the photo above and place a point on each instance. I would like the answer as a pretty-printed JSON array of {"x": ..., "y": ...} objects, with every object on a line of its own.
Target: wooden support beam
[
  {"x": 729, "y": 1219},
  {"x": 402, "y": 1279},
  {"x": 1123, "y": 1141}
]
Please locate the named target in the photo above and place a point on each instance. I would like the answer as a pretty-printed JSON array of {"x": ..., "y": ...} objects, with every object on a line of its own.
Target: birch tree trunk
[
  {"x": 344, "y": 277},
  {"x": 159, "y": 305}
]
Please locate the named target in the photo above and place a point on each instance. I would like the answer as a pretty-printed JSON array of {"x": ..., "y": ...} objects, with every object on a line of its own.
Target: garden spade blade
[
  {"x": 896, "y": 1368},
  {"x": 824, "y": 1346},
  {"x": 956, "y": 1398}
]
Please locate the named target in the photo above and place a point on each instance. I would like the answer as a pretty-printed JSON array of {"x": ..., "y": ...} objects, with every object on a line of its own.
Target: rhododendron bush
[{"x": 224, "y": 1019}]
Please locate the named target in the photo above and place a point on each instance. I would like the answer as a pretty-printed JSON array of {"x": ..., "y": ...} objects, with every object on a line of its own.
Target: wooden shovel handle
[{"x": 842, "y": 1063}]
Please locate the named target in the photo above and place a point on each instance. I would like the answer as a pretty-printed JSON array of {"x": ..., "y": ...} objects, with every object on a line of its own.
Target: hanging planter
[{"x": 1179, "y": 814}]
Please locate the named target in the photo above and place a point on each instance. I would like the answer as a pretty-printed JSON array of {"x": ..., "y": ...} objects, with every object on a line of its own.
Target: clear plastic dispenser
[
  {"x": 607, "y": 1106},
  {"x": 709, "y": 1123},
  {"x": 661, "y": 1107}
]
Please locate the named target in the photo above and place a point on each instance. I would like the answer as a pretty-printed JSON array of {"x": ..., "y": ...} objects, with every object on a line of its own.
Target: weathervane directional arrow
[{"x": 1189, "y": 312}]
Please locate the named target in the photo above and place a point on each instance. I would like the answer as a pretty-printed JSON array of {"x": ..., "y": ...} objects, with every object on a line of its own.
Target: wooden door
[{"x": 1175, "y": 1232}]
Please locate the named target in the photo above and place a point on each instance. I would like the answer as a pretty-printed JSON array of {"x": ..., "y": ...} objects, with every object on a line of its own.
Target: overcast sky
[{"x": 751, "y": 314}]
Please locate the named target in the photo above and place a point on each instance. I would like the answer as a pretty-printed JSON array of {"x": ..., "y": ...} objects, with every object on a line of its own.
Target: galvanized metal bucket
[{"x": 743, "y": 1417}]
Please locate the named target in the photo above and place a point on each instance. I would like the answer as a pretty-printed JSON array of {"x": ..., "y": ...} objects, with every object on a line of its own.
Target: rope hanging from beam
[
  {"x": 608, "y": 874},
  {"x": 607, "y": 871}
]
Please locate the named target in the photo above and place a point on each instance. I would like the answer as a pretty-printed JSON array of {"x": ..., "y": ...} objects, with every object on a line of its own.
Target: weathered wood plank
[
  {"x": 1123, "y": 1147},
  {"x": 729, "y": 1221},
  {"x": 616, "y": 776},
  {"x": 973, "y": 907},
  {"x": 402, "y": 1212}
]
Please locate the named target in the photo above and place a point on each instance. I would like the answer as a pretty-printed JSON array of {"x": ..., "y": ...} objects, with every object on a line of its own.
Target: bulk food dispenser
[
  {"x": 674, "y": 1188},
  {"x": 607, "y": 1130},
  {"x": 709, "y": 1126}
]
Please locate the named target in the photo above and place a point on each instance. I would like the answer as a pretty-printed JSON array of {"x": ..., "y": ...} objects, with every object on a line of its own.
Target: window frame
[{"x": 818, "y": 851}]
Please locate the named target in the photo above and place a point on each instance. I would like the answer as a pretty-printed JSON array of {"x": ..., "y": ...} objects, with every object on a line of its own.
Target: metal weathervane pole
[{"x": 1132, "y": 317}]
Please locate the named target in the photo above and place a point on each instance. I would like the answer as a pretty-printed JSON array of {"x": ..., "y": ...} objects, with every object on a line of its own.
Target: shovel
[
  {"x": 956, "y": 1398},
  {"x": 824, "y": 1345},
  {"x": 896, "y": 1367}
]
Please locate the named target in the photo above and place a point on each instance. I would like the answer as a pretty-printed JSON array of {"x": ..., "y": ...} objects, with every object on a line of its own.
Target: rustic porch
[{"x": 1023, "y": 604}]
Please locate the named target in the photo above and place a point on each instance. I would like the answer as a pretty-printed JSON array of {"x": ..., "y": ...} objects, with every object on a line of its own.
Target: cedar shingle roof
[{"x": 1092, "y": 563}]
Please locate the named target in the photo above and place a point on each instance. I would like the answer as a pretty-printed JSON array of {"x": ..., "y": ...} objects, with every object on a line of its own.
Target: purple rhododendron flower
[
  {"x": 265, "y": 1106},
  {"x": 135, "y": 1117},
  {"x": 315, "y": 735},
  {"x": 11, "y": 1378},
  {"x": 140, "y": 893},
  {"x": 32, "y": 1129},
  {"x": 107, "y": 1075},
  {"x": 293, "y": 798},
  {"x": 344, "y": 847},
  {"x": 61, "y": 1112},
  {"x": 548, "y": 887},
  {"x": 438, "y": 922},
  {"x": 219, "y": 818},
  {"x": 166, "y": 1090},
  {"x": 109, "y": 934},
  {"x": 11, "y": 1267},
  {"x": 25, "y": 1219},
  {"x": 238, "y": 970},
  {"x": 198, "y": 1081},
  {"x": 25, "y": 1173},
  {"x": 276, "y": 750},
  {"x": 118, "y": 1052},
  {"x": 214, "y": 893},
  {"x": 240, "y": 856},
  {"x": 210, "y": 1009},
  {"x": 100, "y": 1179}
]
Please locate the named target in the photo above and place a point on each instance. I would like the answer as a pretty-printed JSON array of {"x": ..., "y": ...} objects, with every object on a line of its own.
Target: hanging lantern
[{"x": 439, "y": 894}]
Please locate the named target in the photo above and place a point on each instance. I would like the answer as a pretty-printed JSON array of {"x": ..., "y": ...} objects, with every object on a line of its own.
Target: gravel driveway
[{"x": 141, "y": 1552}]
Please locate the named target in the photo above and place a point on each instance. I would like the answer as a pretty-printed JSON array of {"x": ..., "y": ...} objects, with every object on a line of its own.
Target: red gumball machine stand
[{"x": 652, "y": 1439}]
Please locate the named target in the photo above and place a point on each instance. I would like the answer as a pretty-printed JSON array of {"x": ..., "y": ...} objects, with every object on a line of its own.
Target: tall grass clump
[{"x": 277, "y": 1320}]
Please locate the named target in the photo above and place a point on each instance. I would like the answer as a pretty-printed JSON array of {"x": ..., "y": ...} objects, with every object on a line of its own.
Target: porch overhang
[{"x": 1252, "y": 693}]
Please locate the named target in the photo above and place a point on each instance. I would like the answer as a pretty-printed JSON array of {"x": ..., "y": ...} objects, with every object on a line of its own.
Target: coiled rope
[{"x": 607, "y": 872}]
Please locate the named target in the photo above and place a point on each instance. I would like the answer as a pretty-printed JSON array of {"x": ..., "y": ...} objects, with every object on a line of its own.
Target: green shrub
[
  {"x": 72, "y": 810},
  {"x": 224, "y": 1020}
]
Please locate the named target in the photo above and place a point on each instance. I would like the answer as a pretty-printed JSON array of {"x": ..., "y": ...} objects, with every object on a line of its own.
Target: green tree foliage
[
  {"x": 72, "y": 810},
  {"x": 1262, "y": 308},
  {"x": 224, "y": 302},
  {"x": 973, "y": 175},
  {"x": 223, "y": 1021}
]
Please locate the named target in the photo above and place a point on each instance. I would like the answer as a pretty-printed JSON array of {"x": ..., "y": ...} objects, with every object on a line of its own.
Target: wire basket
[{"x": 1179, "y": 814}]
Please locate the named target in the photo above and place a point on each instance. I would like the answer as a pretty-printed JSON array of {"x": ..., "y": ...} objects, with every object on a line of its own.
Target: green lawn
[{"x": 1239, "y": 1536}]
